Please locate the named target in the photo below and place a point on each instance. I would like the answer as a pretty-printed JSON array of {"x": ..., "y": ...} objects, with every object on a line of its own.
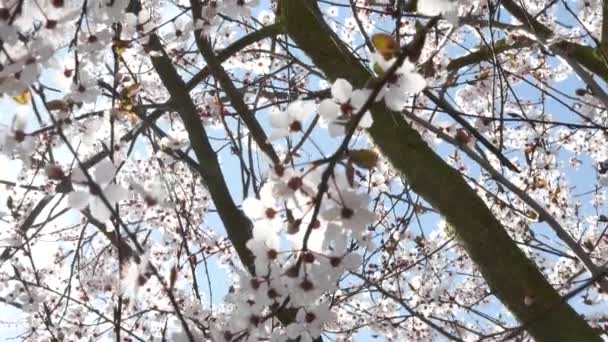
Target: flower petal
[
  {"x": 253, "y": 208},
  {"x": 341, "y": 90},
  {"x": 414, "y": 83},
  {"x": 104, "y": 172},
  {"x": 100, "y": 210},
  {"x": 328, "y": 110},
  {"x": 78, "y": 176},
  {"x": 366, "y": 120},
  {"x": 359, "y": 97},
  {"x": 78, "y": 199},
  {"x": 335, "y": 130},
  {"x": 115, "y": 193},
  {"x": 279, "y": 133},
  {"x": 395, "y": 98},
  {"x": 435, "y": 7},
  {"x": 305, "y": 108},
  {"x": 279, "y": 119}
]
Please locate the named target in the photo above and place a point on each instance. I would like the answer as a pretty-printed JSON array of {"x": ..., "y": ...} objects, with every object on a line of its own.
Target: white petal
[
  {"x": 99, "y": 210},
  {"x": 434, "y": 7},
  {"x": 21, "y": 118},
  {"x": 27, "y": 146},
  {"x": 301, "y": 316},
  {"x": 115, "y": 193},
  {"x": 364, "y": 218},
  {"x": 336, "y": 130},
  {"x": 253, "y": 208},
  {"x": 78, "y": 199},
  {"x": 306, "y": 108},
  {"x": 395, "y": 98},
  {"x": 279, "y": 119},
  {"x": 341, "y": 90},
  {"x": 266, "y": 195},
  {"x": 104, "y": 172},
  {"x": 366, "y": 120},
  {"x": 330, "y": 214},
  {"x": 328, "y": 110},
  {"x": 297, "y": 111},
  {"x": 414, "y": 83},
  {"x": 359, "y": 97},
  {"x": 78, "y": 176},
  {"x": 268, "y": 236},
  {"x": 279, "y": 133}
]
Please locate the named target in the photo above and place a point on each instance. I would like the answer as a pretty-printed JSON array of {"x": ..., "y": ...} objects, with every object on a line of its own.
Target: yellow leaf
[
  {"x": 57, "y": 105},
  {"x": 132, "y": 90},
  {"x": 385, "y": 44},
  {"x": 365, "y": 159},
  {"x": 120, "y": 46},
  {"x": 23, "y": 98}
]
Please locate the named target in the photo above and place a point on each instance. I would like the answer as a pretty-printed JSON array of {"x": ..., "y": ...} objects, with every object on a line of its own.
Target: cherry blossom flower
[
  {"x": 405, "y": 81},
  {"x": 209, "y": 20},
  {"x": 240, "y": 7},
  {"x": 265, "y": 248},
  {"x": 309, "y": 322},
  {"x": 86, "y": 90},
  {"x": 436, "y": 7},
  {"x": 175, "y": 139},
  {"x": 350, "y": 213},
  {"x": 292, "y": 120},
  {"x": 346, "y": 103},
  {"x": 154, "y": 192},
  {"x": 263, "y": 212},
  {"x": 103, "y": 175}
]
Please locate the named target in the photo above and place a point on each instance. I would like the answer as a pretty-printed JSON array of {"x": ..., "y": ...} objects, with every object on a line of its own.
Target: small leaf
[
  {"x": 540, "y": 183},
  {"x": 173, "y": 277},
  {"x": 364, "y": 158},
  {"x": 57, "y": 105},
  {"x": 386, "y": 45},
  {"x": 532, "y": 215},
  {"x": 23, "y": 98},
  {"x": 130, "y": 91},
  {"x": 120, "y": 46}
]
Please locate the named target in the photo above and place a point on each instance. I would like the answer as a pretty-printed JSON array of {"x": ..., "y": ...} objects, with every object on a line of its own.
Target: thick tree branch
[
  {"x": 232, "y": 49},
  {"x": 236, "y": 99},
  {"x": 237, "y": 225},
  {"x": 485, "y": 53},
  {"x": 591, "y": 58},
  {"x": 510, "y": 275}
]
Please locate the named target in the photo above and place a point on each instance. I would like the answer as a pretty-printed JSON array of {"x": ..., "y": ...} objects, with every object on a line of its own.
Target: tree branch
[
  {"x": 232, "y": 49},
  {"x": 236, "y": 99},
  {"x": 237, "y": 225}
]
